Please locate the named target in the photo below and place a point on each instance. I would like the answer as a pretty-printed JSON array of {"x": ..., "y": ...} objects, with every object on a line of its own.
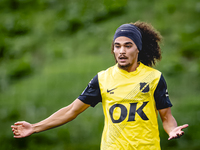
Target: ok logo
[{"x": 132, "y": 112}]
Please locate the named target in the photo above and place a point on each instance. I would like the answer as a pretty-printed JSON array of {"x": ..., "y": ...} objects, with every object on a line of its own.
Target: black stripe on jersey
[
  {"x": 161, "y": 95},
  {"x": 91, "y": 95}
]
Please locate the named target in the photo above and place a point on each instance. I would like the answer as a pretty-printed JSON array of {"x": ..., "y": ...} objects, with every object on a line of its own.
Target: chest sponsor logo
[{"x": 132, "y": 112}]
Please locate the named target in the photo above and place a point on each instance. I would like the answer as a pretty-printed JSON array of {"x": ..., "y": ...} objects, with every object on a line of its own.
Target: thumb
[
  {"x": 19, "y": 123},
  {"x": 184, "y": 126}
]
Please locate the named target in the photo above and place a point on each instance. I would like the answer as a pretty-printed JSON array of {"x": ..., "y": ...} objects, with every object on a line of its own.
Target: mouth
[{"x": 122, "y": 58}]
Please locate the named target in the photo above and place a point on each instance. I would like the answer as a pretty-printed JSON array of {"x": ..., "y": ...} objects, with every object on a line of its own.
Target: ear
[
  {"x": 112, "y": 48},
  {"x": 115, "y": 57}
]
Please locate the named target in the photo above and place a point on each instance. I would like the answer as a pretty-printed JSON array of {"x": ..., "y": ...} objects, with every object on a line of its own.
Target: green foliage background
[{"x": 50, "y": 49}]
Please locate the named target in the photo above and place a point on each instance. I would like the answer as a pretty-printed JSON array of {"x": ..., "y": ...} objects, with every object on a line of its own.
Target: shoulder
[
  {"x": 107, "y": 71},
  {"x": 146, "y": 69}
]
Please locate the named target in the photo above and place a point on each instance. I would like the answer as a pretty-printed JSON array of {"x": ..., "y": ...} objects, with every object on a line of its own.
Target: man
[{"x": 131, "y": 93}]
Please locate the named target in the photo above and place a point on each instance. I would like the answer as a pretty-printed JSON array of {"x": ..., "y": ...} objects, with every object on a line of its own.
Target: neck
[{"x": 129, "y": 67}]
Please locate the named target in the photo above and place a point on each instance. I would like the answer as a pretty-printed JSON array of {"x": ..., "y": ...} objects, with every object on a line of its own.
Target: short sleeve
[
  {"x": 161, "y": 95},
  {"x": 91, "y": 95}
]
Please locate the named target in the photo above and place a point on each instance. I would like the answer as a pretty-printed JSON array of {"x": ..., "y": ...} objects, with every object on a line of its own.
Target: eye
[
  {"x": 128, "y": 46},
  {"x": 117, "y": 46}
]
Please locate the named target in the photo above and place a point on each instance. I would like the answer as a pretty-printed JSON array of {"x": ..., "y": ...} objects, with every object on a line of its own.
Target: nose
[{"x": 122, "y": 50}]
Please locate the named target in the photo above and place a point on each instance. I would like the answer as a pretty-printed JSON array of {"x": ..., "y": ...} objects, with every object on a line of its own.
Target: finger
[
  {"x": 16, "y": 133},
  {"x": 170, "y": 138},
  {"x": 178, "y": 136},
  {"x": 181, "y": 134},
  {"x": 184, "y": 126},
  {"x": 173, "y": 137},
  {"x": 19, "y": 123},
  {"x": 17, "y": 136},
  {"x": 14, "y": 127}
]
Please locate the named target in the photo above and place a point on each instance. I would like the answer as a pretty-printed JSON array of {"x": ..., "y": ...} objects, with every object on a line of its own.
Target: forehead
[{"x": 122, "y": 39}]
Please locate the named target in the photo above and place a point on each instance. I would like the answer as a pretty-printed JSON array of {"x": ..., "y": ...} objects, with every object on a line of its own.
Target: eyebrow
[{"x": 124, "y": 43}]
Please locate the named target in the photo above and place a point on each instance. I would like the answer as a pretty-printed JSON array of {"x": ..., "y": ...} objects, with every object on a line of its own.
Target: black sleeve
[
  {"x": 161, "y": 95},
  {"x": 91, "y": 95}
]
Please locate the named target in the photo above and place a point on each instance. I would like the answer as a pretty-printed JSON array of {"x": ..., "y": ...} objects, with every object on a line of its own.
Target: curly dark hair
[{"x": 151, "y": 38}]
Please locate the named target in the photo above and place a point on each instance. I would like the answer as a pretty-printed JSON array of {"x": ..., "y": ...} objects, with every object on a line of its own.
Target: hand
[
  {"x": 177, "y": 132},
  {"x": 22, "y": 129}
]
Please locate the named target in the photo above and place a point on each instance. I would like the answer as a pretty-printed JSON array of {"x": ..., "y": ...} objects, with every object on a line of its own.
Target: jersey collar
[{"x": 129, "y": 74}]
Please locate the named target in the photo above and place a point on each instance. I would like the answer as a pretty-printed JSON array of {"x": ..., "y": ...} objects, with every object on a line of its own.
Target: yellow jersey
[{"x": 130, "y": 101}]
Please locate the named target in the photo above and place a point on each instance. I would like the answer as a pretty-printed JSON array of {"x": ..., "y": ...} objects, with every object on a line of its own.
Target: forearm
[
  {"x": 60, "y": 117},
  {"x": 169, "y": 123}
]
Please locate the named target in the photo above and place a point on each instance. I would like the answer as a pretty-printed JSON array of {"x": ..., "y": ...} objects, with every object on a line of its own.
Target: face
[{"x": 126, "y": 53}]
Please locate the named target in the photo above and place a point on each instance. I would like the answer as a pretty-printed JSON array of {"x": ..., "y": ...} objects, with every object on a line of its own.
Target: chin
[{"x": 123, "y": 66}]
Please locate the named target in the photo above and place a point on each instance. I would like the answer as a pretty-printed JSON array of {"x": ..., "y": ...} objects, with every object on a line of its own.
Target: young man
[{"x": 131, "y": 93}]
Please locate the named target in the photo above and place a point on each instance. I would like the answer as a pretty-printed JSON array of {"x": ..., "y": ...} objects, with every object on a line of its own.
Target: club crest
[{"x": 144, "y": 87}]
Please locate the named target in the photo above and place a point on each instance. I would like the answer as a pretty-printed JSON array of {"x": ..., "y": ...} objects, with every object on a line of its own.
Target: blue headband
[{"x": 132, "y": 32}]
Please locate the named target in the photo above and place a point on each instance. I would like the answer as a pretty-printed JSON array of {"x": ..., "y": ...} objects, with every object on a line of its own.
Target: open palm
[
  {"x": 177, "y": 132},
  {"x": 22, "y": 129}
]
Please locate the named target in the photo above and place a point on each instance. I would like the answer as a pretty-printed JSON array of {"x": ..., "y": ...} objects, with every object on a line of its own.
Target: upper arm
[
  {"x": 161, "y": 95},
  {"x": 91, "y": 95},
  {"x": 78, "y": 107}
]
